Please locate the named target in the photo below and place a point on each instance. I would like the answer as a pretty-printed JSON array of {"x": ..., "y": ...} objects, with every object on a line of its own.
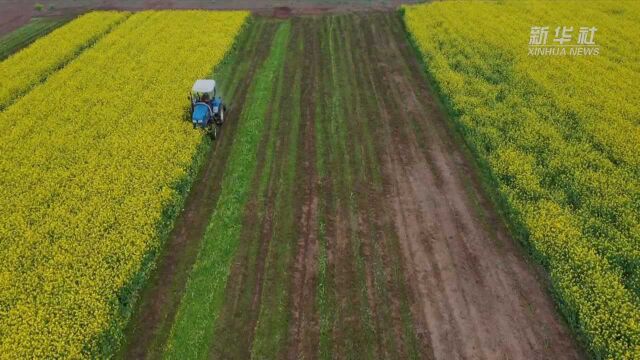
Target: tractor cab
[{"x": 207, "y": 110}]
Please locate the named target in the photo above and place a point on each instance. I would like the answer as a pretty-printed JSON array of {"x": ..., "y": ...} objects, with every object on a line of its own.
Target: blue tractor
[{"x": 207, "y": 110}]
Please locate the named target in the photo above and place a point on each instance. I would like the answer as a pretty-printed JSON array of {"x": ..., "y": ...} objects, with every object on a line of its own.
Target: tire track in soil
[{"x": 148, "y": 329}]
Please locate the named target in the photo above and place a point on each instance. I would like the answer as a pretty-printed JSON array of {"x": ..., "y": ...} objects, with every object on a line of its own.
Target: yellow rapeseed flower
[{"x": 90, "y": 160}]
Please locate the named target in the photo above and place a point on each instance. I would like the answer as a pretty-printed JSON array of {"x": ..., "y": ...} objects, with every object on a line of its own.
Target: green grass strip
[{"x": 192, "y": 331}]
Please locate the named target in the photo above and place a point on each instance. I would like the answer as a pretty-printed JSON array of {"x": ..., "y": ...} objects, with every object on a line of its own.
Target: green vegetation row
[
  {"x": 30, "y": 66},
  {"x": 559, "y": 137},
  {"x": 95, "y": 165},
  {"x": 192, "y": 332},
  {"x": 26, "y": 34}
]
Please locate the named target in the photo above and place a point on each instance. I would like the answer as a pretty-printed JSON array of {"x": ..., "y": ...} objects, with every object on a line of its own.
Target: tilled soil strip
[{"x": 475, "y": 293}]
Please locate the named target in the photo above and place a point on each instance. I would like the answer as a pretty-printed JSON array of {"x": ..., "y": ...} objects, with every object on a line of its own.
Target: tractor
[{"x": 207, "y": 110}]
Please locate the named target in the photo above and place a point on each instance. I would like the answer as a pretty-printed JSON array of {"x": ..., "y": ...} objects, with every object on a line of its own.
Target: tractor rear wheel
[{"x": 214, "y": 131}]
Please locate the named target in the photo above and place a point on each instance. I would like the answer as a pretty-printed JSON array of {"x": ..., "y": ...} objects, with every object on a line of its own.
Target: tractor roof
[{"x": 204, "y": 86}]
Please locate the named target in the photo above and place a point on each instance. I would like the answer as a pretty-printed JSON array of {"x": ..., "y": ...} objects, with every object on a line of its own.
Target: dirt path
[{"x": 148, "y": 329}]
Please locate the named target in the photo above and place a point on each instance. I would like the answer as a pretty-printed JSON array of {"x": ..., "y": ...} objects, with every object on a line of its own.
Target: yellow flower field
[
  {"x": 26, "y": 68},
  {"x": 95, "y": 163},
  {"x": 560, "y": 137}
]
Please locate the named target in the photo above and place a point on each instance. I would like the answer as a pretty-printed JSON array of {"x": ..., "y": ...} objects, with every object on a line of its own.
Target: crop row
[
  {"x": 26, "y": 68},
  {"x": 95, "y": 165},
  {"x": 559, "y": 136}
]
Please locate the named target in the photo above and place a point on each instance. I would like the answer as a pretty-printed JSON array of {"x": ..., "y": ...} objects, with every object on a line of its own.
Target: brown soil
[
  {"x": 13, "y": 14},
  {"x": 149, "y": 327},
  {"x": 282, "y": 12}
]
